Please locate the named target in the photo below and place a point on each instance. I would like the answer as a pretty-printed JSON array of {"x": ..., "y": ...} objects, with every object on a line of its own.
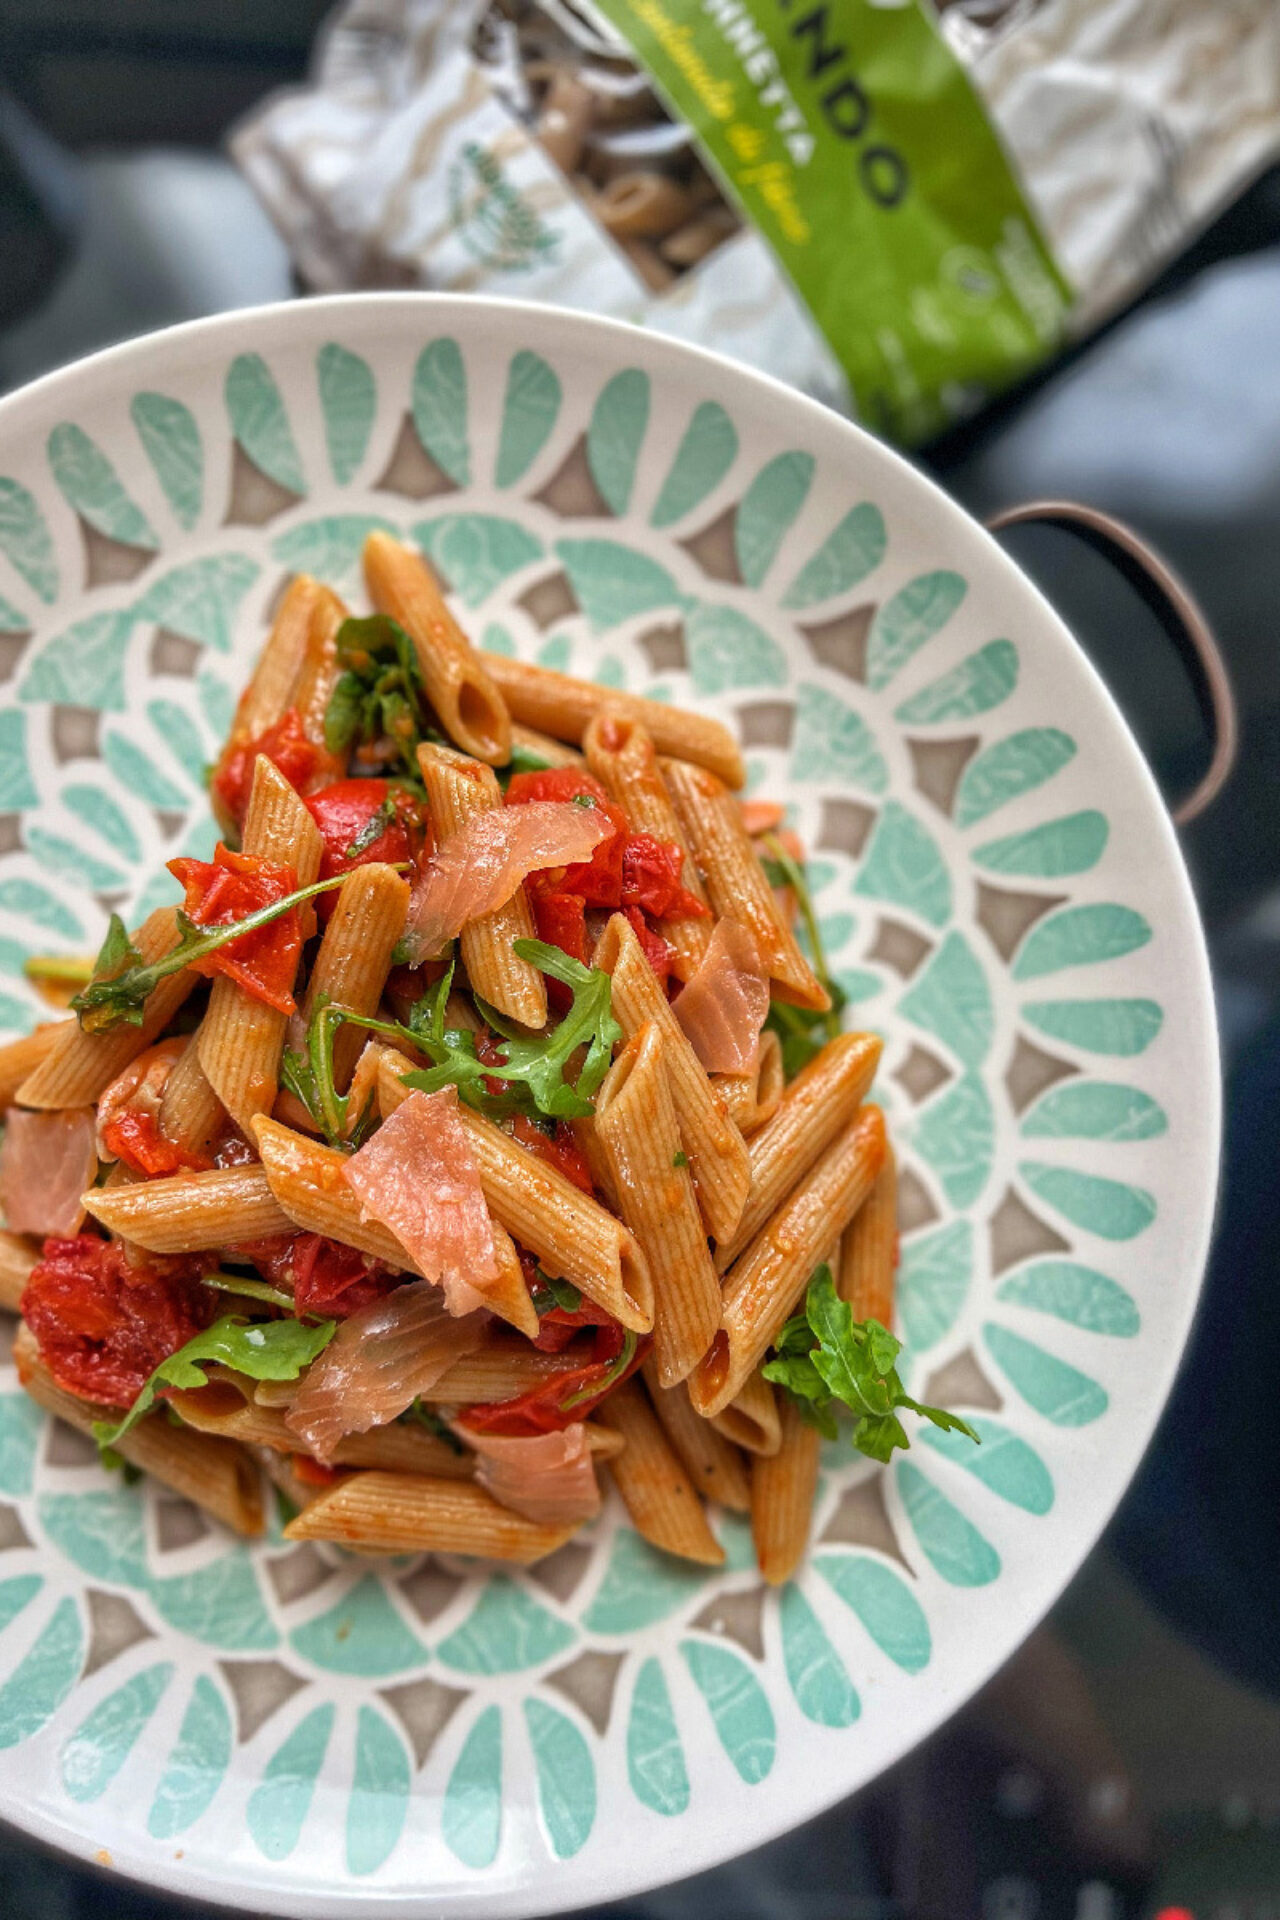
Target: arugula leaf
[
  {"x": 418, "y": 1415},
  {"x": 252, "y": 1289},
  {"x": 523, "y": 760},
  {"x": 824, "y": 1355},
  {"x": 594, "y": 1388},
  {"x": 549, "y": 1292},
  {"x": 373, "y": 829},
  {"x": 379, "y": 694},
  {"x": 264, "y": 1350},
  {"x": 802, "y": 1033}
]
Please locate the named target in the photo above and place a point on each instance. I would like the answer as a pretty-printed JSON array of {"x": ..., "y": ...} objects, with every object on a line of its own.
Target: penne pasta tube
[
  {"x": 762, "y": 1288},
  {"x": 553, "y": 753},
  {"x": 241, "y": 1039},
  {"x": 17, "y": 1257},
  {"x": 782, "y": 1490},
  {"x": 307, "y": 1180},
  {"x": 573, "y": 1236},
  {"x": 216, "y": 1474},
  {"x": 635, "y": 1124},
  {"x": 354, "y": 957},
  {"x": 869, "y": 1251},
  {"x": 717, "y": 1152},
  {"x": 505, "y": 1367},
  {"x": 751, "y": 1420},
  {"x": 739, "y": 1093},
  {"x": 270, "y": 692},
  {"x": 222, "y": 1408},
  {"x": 318, "y": 674},
  {"x": 191, "y": 1114},
  {"x": 621, "y": 754},
  {"x": 79, "y": 1066},
  {"x": 457, "y": 787},
  {"x": 20, "y": 1058},
  {"x": 598, "y": 1163},
  {"x": 736, "y": 882},
  {"x": 414, "y": 1512},
  {"x": 558, "y": 704},
  {"x": 821, "y": 1099},
  {"x": 187, "y": 1212},
  {"x": 469, "y": 706},
  {"x": 770, "y": 1079},
  {"x": 657, "y": 1492},
  {"x": 713, "y": 1465}
]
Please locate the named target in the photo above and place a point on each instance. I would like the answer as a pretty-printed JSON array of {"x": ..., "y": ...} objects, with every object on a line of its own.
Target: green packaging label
[{"x": 851, "y": 137}]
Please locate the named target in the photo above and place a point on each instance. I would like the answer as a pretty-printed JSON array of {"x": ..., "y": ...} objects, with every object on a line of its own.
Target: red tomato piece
[
  {"x": 597, "y": 881},
  {"x": 657, "y": 951},
  {"x": 228, "y": 888},
  {"x": 561, "y": 1151},
  {"x": 343, "y": 811},
  {"x": 561, "y": 920},
  {"x": 103, "y": 1326},
  {"x": 135, "y": 1138},
  {"x": 651, "y": 879},
  {"x": 312, "y": 1473},
  {"x": 543, "y": 1409},
  {"x": 285, "y": 745},
  {"x": 331, "y": 1279}
]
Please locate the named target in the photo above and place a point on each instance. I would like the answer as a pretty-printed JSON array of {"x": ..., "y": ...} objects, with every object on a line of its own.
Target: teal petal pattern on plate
[
  {"x": 17, "y": 1593},
  {"x": 21, "y": 1424},
  {"x": 979, "y": 683},
  {"x": 508, "y": 1630},
  {"x": 640, "y": 1585},
  {"x": 1010, "y": 768},
  {"x": 379, "y": 1793},
  {"x": 655, "y": 1759},
  {"x": 834, "y": 743},
  {"x": 101, "y": 1533},
  {"x": 197, "y": 1765},
  {"x": 84, "y": 665},
  {"x": 181, "y": 737},
  {"x": 823, "y": 1690},
  {"x": 566, "y": 1778},
  {"x": 726, "y": 650},
  {"x": 1061, "y": 1393},
  {"x": 498, "y": 640},
  {"x": 613, "y": 582},
  {"x": 331, "y": 546},
  {"x": 440, "y": 408},
  {"x": 556, "y": 653},
  {"x": 849, "y": 553},
  {"x": 42, "y": 1679},
  {"x": 1119, "y": 1027},
  {"x": 65, "y": 858},
  {"x": 95, "y": 807},
  {"x": 1003, "y": 1462},
  {"x": 1095, "y": 1110},
  {"x": 615, "y": 435},
  {"x": 766, "y": 511},
  {"x": 905, "y": 622},
  {"x": 705, "y": 454},
  {"x": 11, "y": 620},
  {"x": 885, "y": 1605},
  {"x": 348, "y": 401},
  {"x": 1079, "y": 1295},
  {"x": 952, "y": 1545},
  {"x": 94, "y": 1754},
  {"x": 476, "y": 551},
  {"x": 904, "y": 865},
  {"x": 362, "y": 1634},
  {"x": 171, "y": 441},
  {"x": 217, "y": 704},
  {"x": 220, "y": 1604},
  {"x": 278, "y": 1807},
  {"x": 933, "y": 1279},
  {"x": 1080, "y": 937},
  {"x": 950, "y": 997},
  {"x": 529, "y": 412},
  {"x": 201, "y": 600},
  {"x": 739, "y": 1707},
  {"x": 1072, "y": 844},
  {"x": 25, "y": 542},
  {"x": 471, "y": 1817},
  {"x": 38, "y": 904},
  {"x": 17, "y": 789},
  {"x": 141, "y": 776},
  {"x": 609, "y": 672},
  {"x": 956, "y": 1135},
  {"x": 91, "y": 487},
  {"x": 1111, "y": 1208},
  {"x": 260, "y": 423}
]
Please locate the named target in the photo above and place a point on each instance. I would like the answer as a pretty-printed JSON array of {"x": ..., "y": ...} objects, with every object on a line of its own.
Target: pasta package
[{"x": 899, "y": 206}]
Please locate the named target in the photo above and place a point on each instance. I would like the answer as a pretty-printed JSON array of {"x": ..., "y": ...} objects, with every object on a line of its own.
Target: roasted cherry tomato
[
  {"x": 285, "y": 745},
  {"x": 102, "y": 1325},
  {"x": 229, "y": 887},
  {"x": 344, "y": 813}
]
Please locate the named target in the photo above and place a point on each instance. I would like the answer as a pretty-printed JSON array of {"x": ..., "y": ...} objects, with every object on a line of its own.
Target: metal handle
[{"x": 1178, "y": 613}]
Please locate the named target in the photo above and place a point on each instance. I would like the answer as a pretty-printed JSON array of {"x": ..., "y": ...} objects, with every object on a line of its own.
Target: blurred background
[{"x": 1127, "y": 1763}]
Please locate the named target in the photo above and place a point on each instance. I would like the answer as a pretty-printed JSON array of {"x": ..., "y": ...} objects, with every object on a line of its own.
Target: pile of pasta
[{"x": 477, "y": 1125}]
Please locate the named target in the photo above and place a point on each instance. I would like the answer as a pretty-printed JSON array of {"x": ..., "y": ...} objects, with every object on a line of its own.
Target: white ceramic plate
[{"x": 288, "y": 1731}]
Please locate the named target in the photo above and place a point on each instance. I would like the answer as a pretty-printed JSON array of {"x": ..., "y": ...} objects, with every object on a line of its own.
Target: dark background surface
[{"x": 1127, "y": 1763}]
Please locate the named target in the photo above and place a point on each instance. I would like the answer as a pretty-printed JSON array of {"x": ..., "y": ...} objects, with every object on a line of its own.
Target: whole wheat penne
[
  {"x": 770, "y": 1079},
  {"x": 79, "y": 1066},
  {"x": 412, "y": 1512},
  {"x": 20, "y": 1058},
  {"x": 457, "y": 787},
  {"x": 603, "y": 1442},
  {"x": 469, "y": 706},
  {"x": 401, "y": 1447},
  {"x": 502, "y": 1369},
  {"x": 307, "y": 1180},
  {"x": 869, "y": 1250},
  {"x": 558, "y": 704},
  {"x": 241, "y": 1039},
  {"x": 762, "y": 1288},
  {"x": 736, "y": 882},
  {"x": 635, "y": 1123},
  {"x": 318, "y": 675},
  {"x": 552, "y": 753},
  {"x": 187, "y": 1212},
  {"x": 717, "y": 1152},
  {"x": 354, "y": 958},
  {"x": 191, "y": 1114},
  {"x": 821, "y": 1099},
  {"x": 573, "y": 1236},
  {"x": 713, "y": 1465},
  {"x": 751, "y": 1420},
  {"x": 270, "y": 692},
  {"x": 362, "y": 1093},
  {"x": 656, "y": 1491},
  {"x": 598, "y": 1164},
  {"x": 216, "y": 1474},
  {"x": 17, "y": 1257},
  {"x": 620, "y": 752},
  {"x": 782, "y": 1490}
]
